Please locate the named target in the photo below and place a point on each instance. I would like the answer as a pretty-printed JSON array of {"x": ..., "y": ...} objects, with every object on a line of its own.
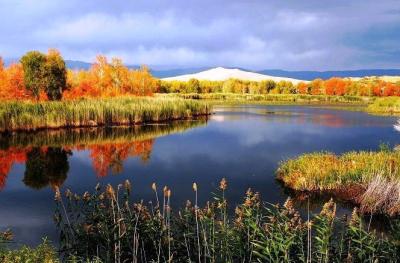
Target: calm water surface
[{"x": 244, "y": 144}]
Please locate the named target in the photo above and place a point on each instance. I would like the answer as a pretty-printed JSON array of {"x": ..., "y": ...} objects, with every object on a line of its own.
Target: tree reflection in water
[
  {"x": 46, "y": 166},
  {"x": 46, "y": 153}
]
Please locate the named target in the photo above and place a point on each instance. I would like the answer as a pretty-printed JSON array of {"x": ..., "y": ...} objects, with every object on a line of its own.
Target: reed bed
[
  {"x": 385, "y": 106},
  {"x": 106, "y": 225},
  {"x": 29, "y": 116},
  {"x": 95, "y": 135},
  {"x": 231, "y": 98},
  {"x": 370, "y": 179}
]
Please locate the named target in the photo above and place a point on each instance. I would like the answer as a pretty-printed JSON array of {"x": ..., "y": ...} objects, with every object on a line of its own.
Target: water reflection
[
  {"x": 46, "y": 166},
  {"x": 109, "y": 148}
]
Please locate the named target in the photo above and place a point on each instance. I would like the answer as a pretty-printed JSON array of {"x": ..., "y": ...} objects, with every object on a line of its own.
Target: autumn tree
[
  {"x": 15, "y": 78},
  {"x": 302, "y": 87},
  {"x": 3, "y": 80},
  {"x": 317, "y": 87},
  {"x": 193, "y": 86}
]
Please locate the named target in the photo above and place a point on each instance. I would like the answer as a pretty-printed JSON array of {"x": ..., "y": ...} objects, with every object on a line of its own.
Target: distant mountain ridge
[{"x": 305, "y": 75}]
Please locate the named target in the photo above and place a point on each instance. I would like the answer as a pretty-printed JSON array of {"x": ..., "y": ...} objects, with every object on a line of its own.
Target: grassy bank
[
  {"x": 96, "y": 112},
  {"x": 385, "y": 106},
  {"x": 371, "y": 179},
  {"x": 233, "y": 98}
]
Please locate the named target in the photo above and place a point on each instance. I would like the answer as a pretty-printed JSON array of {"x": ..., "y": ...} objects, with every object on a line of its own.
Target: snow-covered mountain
[{"x": 220, "y": 74}]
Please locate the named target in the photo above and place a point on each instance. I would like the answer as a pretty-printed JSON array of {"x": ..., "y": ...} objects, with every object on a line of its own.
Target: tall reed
[
  {"x": 110, "y": 226},
  {"x": 24, "y": 115}
]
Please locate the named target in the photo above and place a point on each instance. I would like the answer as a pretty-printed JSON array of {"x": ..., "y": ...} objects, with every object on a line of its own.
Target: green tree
[
  {"x": 45, "y": 73},
  {"x": 55, "y": 75},
  {"x": 33, "y": 64}
]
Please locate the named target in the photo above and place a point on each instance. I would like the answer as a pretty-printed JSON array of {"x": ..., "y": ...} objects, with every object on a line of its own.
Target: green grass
[
  {"x": 371, "y": 179},
  {"x": 96, "y": 112},
  {"x": 385, "y": 106}
]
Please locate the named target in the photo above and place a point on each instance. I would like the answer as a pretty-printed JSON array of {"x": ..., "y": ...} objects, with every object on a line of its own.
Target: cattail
[
  {"x": 248, "y": 202},
  {"x": 344, "y": 218},
  {"x": 168, "y": 194},
  {"x": 57, "y": 196},
  {"x": 223, "y": 184},
  {"x": 165, "y": 189},
  {"x": 86, "y": 196},
  {"x": 56, "y": 218},
  {"x": 128, "y": 185},
  {"x": 154, "y": 187},
  {"x": 195, "y": 187},
  {"x": 249, "y": 193},
  {"x": 110, "y": 191}
]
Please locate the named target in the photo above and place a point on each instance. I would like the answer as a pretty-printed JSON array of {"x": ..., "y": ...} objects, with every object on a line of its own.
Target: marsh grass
[
  {"x": 385, "y": 106},
  {"x": 370, "y": 179},
  {"x": 108, "y": 225},
  {"x": 233, "y": 98},
  {"x": 28, "y": 116}
]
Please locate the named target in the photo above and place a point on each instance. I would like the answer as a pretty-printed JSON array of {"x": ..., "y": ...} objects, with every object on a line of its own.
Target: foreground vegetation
[
  {"x": 107, "y": 224},
  {"x": 96, "y": 112},
  {"x": 371, "y": 179}
]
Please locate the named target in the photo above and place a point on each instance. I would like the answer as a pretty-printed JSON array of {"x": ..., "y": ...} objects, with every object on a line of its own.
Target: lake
[{"x": 243, "y": 144}]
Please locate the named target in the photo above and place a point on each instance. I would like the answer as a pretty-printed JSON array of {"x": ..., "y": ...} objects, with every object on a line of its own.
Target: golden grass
[
  {"x": 370, "y": 171},
  {"x": 96, "y": 112}
]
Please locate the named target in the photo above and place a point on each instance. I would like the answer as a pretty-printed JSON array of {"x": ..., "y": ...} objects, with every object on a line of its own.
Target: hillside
[{"x": 220, "y": 74}]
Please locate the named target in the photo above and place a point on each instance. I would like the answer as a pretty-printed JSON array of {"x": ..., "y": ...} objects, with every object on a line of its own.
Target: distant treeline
[
  {"x": 44, "y": 77},
  {"x": 331, "y": 87}
]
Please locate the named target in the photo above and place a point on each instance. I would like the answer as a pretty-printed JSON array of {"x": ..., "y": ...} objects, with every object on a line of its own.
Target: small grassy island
[{"x": 371, "y": 179}]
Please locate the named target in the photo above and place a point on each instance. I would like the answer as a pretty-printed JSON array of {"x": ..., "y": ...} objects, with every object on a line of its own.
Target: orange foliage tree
[{"x": 106, "y": 79}]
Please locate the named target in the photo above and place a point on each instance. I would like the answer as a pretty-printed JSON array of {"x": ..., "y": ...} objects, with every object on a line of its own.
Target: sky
[{"x": 265, "y": 34}]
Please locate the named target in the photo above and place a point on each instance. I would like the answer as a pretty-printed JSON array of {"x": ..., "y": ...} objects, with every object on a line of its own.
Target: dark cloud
[{"x": 292, "y": 35}]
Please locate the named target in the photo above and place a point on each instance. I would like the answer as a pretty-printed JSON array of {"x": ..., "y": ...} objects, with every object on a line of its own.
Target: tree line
[
  {"x": 332, "y": 87},
  {"x": 42, "y": 77}
]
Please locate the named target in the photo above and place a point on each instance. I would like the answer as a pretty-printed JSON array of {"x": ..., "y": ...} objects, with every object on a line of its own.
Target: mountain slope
[{"x": 220, "y": 74}]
